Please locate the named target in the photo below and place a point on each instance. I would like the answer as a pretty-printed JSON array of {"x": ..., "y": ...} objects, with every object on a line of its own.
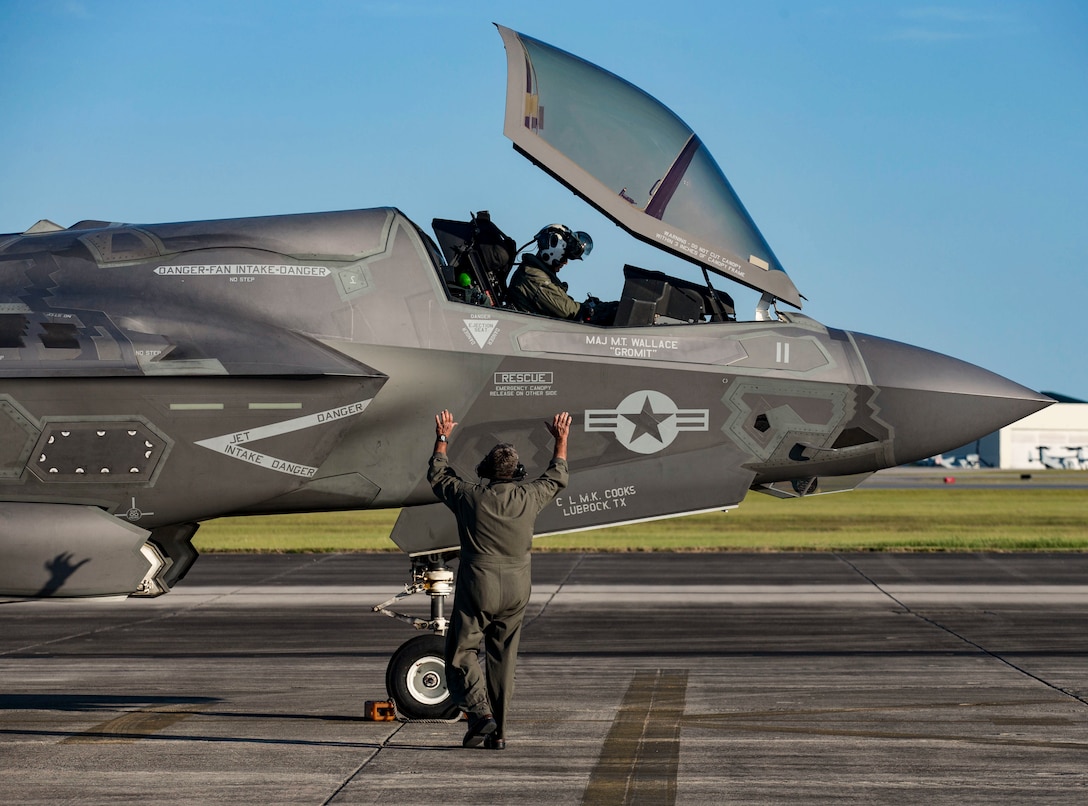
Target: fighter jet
[{"x": 156, "y": 376}]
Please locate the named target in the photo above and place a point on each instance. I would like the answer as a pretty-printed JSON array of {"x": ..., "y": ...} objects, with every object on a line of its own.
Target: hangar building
[{"x": 1056, "y": 437}]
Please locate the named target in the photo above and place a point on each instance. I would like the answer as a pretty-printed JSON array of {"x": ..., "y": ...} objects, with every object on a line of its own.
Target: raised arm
[
  {"x": 560, "y": 429},
  {"x": 443, "y": 427}
]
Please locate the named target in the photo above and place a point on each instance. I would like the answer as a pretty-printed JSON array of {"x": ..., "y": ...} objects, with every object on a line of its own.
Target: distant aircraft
[{"x": 156, "y": 376}]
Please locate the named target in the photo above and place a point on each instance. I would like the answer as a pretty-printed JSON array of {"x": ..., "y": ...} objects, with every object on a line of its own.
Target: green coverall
[
  {"x": 495, "y": 524},
  {"x": 535, "y": 288}
]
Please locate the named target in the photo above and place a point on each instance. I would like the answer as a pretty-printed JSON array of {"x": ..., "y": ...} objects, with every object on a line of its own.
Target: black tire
[{"x": 416, "y": 679}]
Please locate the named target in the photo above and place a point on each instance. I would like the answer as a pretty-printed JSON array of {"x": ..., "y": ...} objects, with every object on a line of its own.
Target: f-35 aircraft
[{"x": 156, "y": 376}]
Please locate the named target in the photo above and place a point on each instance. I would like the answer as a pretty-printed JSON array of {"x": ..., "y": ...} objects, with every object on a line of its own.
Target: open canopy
[{"x": 633, "y": 159}]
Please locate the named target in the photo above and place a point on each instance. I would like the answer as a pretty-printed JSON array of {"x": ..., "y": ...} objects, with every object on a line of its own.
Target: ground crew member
[{"x": 495, "y": 523}]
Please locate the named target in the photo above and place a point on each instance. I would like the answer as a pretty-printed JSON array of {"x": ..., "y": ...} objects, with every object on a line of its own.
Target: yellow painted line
[
  {"x": 641, "y": 754},
  {"x": 275, "y": 406},
  {"x": 132, "y": 727},
  {"x": 196, "y": 407}
]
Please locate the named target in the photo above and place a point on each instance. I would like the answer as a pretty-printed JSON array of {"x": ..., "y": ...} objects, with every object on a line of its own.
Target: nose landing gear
[{"x": 415, "y": 678}]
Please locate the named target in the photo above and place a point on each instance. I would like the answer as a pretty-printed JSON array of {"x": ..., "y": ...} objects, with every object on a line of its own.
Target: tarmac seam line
[
  {"x": 355, "y": 773},
  {"x": 910, "y": 611},
  {"x": 558, "y": 588},
  {"x": 160, "y": 617}
]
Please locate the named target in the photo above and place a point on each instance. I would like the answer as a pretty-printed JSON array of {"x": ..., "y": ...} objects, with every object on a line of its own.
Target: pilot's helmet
[{"x": 557, "y": 243}]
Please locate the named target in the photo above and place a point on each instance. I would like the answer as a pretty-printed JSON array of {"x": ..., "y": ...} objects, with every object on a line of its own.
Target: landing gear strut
[{"x": 416, "y": 676}]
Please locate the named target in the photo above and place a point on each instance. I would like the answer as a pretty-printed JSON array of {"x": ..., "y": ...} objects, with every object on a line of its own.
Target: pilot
[
  {"x": 495, "y": 521},
  {"x": 536, "y": 288}
]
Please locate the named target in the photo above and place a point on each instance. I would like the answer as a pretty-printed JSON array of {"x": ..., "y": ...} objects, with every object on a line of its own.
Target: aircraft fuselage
[{"x": 152, "y": 377}]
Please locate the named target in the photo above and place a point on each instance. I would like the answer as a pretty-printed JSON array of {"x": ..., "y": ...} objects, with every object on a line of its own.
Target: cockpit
[{"x": 478, "y": 259}]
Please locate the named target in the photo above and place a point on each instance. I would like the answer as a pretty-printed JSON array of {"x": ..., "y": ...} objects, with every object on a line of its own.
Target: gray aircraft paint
[{"x": 156, "y": 376}]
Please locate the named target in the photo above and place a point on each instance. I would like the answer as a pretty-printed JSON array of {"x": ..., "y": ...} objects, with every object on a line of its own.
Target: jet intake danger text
[
  {"x": 231, "y": 444},
  {"x": 236, "y": 451},
  {"x": 596, "y": 501}
]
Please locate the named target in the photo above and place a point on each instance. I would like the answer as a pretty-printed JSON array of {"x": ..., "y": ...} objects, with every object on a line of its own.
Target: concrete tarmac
[{"x": 644, "y": 678}]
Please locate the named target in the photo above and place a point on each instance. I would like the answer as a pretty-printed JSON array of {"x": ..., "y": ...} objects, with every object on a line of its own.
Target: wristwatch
[{"x": 442, "y": 438}]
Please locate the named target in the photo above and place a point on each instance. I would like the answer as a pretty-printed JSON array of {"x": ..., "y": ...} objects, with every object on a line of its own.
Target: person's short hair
[{"x": 501, "y": 462}]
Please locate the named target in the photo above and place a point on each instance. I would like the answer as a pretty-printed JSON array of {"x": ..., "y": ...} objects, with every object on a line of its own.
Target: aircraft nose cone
[{"x": 936, "y": 403}]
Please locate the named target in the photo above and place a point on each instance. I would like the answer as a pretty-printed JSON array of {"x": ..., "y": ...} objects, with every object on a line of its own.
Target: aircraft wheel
[{"x": 416, "y": 679}]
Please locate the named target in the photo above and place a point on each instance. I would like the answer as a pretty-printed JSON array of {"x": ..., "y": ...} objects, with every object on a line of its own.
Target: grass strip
[{"x": 864, "y": 520}]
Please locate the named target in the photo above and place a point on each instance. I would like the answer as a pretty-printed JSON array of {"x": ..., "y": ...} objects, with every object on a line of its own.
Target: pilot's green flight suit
[
  {"x": 535, "y": 288},
  {"x": 495, "y": 524}
]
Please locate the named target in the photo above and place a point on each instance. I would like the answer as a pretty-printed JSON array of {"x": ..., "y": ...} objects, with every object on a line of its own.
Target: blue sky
[{"x": 920, "y": 168}]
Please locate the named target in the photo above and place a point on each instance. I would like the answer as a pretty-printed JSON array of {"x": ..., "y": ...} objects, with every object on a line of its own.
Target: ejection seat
[{"x": 479, "y": 257}]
